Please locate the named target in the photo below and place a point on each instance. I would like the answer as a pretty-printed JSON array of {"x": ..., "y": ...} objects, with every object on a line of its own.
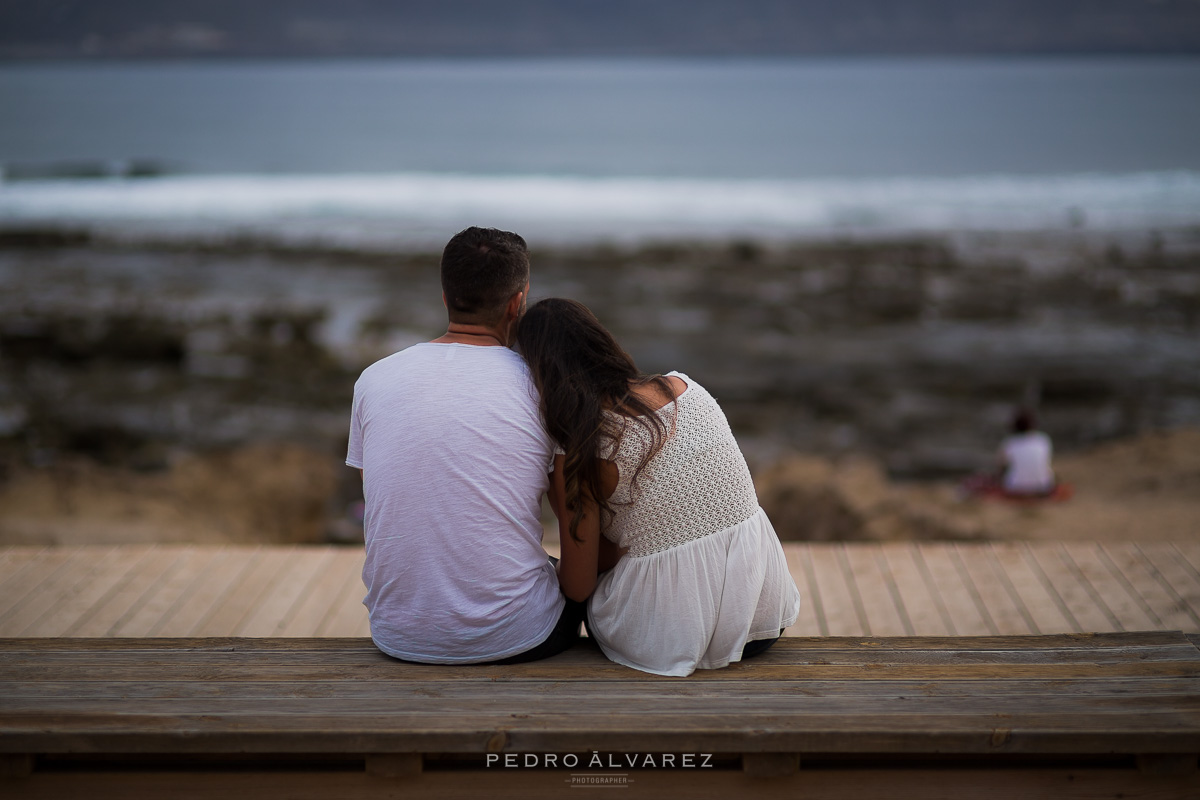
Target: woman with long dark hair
[{"x": 659, "y": 522}]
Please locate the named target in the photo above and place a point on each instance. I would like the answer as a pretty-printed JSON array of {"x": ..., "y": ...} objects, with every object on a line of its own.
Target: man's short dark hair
[{"x": 482, "y": 268}]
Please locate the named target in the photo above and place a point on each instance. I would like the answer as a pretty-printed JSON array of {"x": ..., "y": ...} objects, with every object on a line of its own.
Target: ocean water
[{"x": 403, "y": 151}]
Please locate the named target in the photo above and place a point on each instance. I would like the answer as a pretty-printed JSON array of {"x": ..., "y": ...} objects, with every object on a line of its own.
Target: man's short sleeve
[{"x": 354, "y": 452}]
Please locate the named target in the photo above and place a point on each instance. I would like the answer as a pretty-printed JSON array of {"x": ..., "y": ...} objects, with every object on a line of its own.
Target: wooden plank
[
  {"x": 970, "y": 615},
  {"x": 25, "y": 584},
  {"x": 1085, "y": 605},
  {"x": 809, "y": 621},
  {"x": 1000, "y": 695},
  {"x": 148, "y": 616},
  {"x": 206, "y": 594},
  {"x": 174, "y": 559},
  {"x": 1189, "y": 559},
  {"x": 561, "y": 677},
  {"x": 812, "y": 603},
  {"x": 894, "y": 589},
  {"x": 839, "y": 605},
  {"x": 881, "y": 602},
  {"x": 1138, "y": 579},
  {"x": 14, "y": 559},
  {"x": 1174, "y": 575},
  {"x": 1042, "y": 607},
  {"x": 87, "y": 595},
  {"x": 1125, "y": 606},
  {"x": 314, "y": 606},
  {"x": 95, "y": 595},
  {"x": 507, "y": 731},
  {"x": 192, "y": 598},
  {"x": 347, "y": 615},
  {"x": 274, "y": 614},
  {"x": 855, "y": 591},
  {"x": 987, "y": 553},
  {"x": 977, "y": 569},
  {"x": 851, "y": 659},
  {"x": 770, "y": 765},
  {"x": 1189, "y": 553},
  {"x": 1064, "y": 655},
  {"x": 910, "y": 725},
  {"x": 960, "y": 722},
  {"x": 918, "y": 590},
  {"x": 55, "y": 597},
  {"x": 904, "y": 691},
  {"x": 1051, "y": 582},
  {"x": 278, "y": 565},
  {"x": 927, "y": 783},
  {"x": 509, "y": 727},
  {"x": 122, "y": 596},
  {"x": 242, "y": 594},
  {"x": 1085, "y": 643},
  {"x": 583, "y": 662}
]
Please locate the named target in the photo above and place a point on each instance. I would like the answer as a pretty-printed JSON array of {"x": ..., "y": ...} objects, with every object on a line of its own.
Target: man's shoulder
[
  {"x": 396, "y": 360},
  {"x": 434, "y": 361}
]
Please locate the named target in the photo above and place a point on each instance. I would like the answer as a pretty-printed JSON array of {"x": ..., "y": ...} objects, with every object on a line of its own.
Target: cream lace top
[{"x": 695, "y": 485}]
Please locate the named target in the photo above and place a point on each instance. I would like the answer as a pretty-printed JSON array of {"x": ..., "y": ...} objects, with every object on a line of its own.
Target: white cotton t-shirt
[
  {"x": 455, "y": 460},
  {"x": 1028, "y": 458}
]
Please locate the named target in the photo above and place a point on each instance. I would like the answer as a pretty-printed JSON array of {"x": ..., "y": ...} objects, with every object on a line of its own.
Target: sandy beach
[{"x": 1139, "y": 489}]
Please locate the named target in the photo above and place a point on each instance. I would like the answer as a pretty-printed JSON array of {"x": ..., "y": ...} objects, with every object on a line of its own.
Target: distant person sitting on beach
[
  {"x": 454, "y": 462},
  {"x": 1023, "y": 469},
  {"x": 651, "y": 490},
  {"x": 1025, "y": 456}
]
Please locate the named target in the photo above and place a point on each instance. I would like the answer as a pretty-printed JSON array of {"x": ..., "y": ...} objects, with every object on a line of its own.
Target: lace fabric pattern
[{"x": 695, "y": 485}]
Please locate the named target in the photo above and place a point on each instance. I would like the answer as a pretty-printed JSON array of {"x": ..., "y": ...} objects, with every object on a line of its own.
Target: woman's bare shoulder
[{"x": 654, "y": 395}]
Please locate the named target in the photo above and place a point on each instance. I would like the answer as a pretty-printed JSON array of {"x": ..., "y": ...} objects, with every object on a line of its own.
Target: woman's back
[
  {"x": 650, "y": 462},
  {"x": 705, "y": 573},
  {"x": 696, "y": 484}
]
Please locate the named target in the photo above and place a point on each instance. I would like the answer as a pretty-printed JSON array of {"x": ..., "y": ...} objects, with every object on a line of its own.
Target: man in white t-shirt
[{"x": 454, "y": 460}]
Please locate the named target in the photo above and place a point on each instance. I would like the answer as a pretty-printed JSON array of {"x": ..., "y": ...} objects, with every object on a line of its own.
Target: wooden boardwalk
[
  {"x": 1066, "y": 717},
  {"x": 856, "y": 589}
]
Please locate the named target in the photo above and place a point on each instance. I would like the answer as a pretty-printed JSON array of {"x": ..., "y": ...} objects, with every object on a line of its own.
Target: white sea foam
[{"x": 417, "y": 207}]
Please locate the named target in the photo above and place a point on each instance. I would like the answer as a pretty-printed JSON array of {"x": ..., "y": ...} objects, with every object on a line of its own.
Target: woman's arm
[
  {"x": 577, "y": 564},
  {"x": 610, "y": 554}
]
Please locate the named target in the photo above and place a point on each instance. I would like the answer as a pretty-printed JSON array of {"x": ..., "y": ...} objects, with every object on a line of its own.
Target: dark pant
[
  {"x": 758, "y": 646},
  {"x": 565, "y": 634}
]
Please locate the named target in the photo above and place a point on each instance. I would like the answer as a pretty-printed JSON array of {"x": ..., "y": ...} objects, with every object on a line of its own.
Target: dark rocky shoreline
[{"x": 911, "y": 351}]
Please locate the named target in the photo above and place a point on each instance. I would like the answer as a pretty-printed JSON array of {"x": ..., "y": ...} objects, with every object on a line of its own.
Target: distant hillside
[{"x": 341, "y": 28}]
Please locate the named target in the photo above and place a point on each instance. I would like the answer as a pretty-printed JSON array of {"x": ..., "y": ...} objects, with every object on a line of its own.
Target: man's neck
[{"x": 479, "y": 335}]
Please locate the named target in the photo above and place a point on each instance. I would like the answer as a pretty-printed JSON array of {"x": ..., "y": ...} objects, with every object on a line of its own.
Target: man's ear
[{"x": 515, "y": 302}]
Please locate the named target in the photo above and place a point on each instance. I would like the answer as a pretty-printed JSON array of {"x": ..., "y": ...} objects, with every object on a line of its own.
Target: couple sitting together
[{"x": 664, "y": 549}]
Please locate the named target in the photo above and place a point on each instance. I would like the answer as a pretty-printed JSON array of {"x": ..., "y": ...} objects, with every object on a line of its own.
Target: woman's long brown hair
[{"x": 580, "y": 372}]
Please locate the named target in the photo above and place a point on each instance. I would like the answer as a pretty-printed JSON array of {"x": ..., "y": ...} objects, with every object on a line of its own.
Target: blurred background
[{"x": 872, "y": 228}]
